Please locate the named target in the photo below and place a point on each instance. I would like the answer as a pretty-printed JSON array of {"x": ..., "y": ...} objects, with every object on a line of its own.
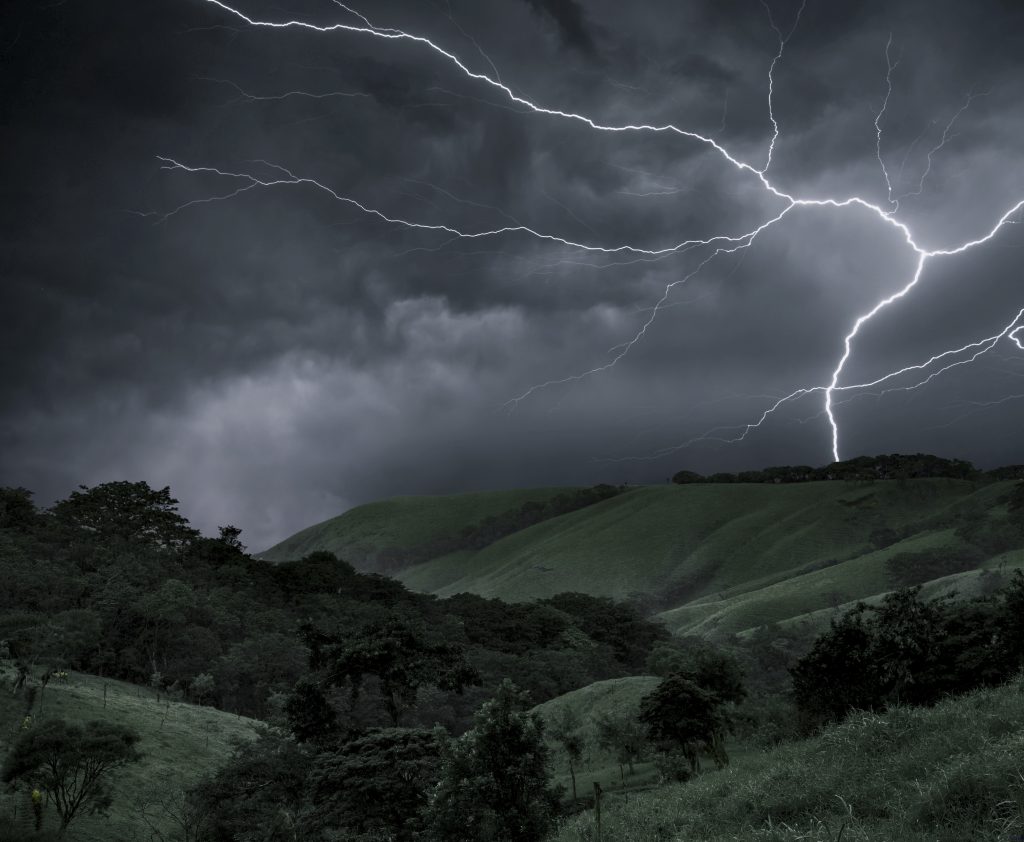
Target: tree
[
  {"x": 309, "y": 713},
  {"x": 18, "y": 511},
  {"x": 494, "y": 782},
  {"x": 125, "y": 511},
  {"x": 617, "y": 624},
  {"x": 839, "y": 674},
  {"x": 399, "y": 655},
  {"x": 72, "y": 763},
  {"x": 706, "y": 664},
  {"x": 681, "y": 716},
  {"x": 230, "y": 537},
  {"x": 566, "y": 730},
  {"x": 376, "y": 783},
  {"x": 622, "y": 735},
  {"x": 257, "y": 794}
]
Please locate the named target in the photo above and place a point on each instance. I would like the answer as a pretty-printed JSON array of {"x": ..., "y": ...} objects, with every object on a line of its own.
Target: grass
[
  {"x": 401, "y": 522},
  {"x": 736, "y": 556},
  {"x": 616, "y": 695},
  {"x": 180, "y": 742},
  {"x": 946, "y": 774}
]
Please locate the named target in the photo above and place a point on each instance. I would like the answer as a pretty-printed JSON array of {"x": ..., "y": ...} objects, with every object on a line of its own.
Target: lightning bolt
[
  {"x": 890, "y": 66},
  {"x": 717, "y": 245}
]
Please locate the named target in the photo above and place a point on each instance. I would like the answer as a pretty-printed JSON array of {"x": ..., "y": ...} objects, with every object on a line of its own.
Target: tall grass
[{"x": 951, "y": 773}]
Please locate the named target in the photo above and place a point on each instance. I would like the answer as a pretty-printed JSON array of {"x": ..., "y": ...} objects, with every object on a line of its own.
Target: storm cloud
[{"x": 278, "y": 355}]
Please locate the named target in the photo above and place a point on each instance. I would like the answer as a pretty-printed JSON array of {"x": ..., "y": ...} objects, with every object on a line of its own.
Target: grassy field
[
  {"x": 401, "y": 522},
  {"x": 946, "y": 774},
  {"x": 180, "y": 742}
]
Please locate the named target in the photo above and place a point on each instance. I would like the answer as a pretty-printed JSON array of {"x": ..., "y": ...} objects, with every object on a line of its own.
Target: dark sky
[{"x": 280, "y": 355}]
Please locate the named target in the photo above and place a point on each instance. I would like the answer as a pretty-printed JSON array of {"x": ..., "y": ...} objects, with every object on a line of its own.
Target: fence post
[{"x": 597, "y": 808}]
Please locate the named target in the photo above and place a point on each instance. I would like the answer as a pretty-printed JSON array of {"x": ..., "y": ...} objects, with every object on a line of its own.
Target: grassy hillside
[
  {"x": 180, "y": 742},
  {"x": 615, "y": 696},
  {"x": 401, "y": 522},
  {"x": 694, "y": 541},
  {"x": 946, "y": 774},
  {"x": 718, "y": 558}
]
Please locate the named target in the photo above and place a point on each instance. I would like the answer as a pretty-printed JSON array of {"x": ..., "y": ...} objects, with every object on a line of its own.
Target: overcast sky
[{"x": 281, "y": 354}]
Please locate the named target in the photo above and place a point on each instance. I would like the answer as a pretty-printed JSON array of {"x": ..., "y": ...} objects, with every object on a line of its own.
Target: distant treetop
[{"x": 866, "y": 468}]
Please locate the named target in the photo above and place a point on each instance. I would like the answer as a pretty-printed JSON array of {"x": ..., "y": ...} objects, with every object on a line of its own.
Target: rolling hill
[{"x": 713, "y": 558}]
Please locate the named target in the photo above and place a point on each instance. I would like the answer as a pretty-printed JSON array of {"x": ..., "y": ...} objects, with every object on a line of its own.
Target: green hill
[
  {"x": 179, "y": 742},
  {"x": 715, "y": 558},
  {"x": 362, "y": 534},
  {"x": 944, "y": 774}
]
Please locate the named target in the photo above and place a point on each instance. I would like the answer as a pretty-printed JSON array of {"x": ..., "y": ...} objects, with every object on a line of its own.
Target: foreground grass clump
[{"x": 945, "y": 774}]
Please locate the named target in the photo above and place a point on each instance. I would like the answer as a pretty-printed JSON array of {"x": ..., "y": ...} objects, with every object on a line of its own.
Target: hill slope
[
  {"x": 360, "y": 535},
  {"x": 717, "y": 558},
  {"x": 945, "y": 774},
  {"x": 682, "y": 543},
  {"x": 180, "y": 743}
]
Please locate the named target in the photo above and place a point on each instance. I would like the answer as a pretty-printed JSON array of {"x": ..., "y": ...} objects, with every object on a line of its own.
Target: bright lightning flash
[{"x": 720, "y": 244}]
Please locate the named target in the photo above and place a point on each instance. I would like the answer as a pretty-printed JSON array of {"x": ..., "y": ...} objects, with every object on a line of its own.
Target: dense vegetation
[
  {"x": 395, "y": 715},
  {"x": 114, "y": 581}
]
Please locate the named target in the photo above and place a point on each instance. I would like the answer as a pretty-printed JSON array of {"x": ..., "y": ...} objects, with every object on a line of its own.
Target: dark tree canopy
[
  {"x": 681, "y": 716},
  {"x": 399, "y": 655},
  {"x": 494, "y": 782},
  {"x": 910, "y": 651},
  {"x": 376, "y": 783},
  {"x": 125, "y": 511}
]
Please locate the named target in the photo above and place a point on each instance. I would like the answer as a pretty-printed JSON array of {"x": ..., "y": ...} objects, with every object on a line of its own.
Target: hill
[
  {"x": 714, "y": 558},
  {"x": 366, "y": 535},
  {"x": 180, "y": 743},
  {"x": 943, "y": 774}
]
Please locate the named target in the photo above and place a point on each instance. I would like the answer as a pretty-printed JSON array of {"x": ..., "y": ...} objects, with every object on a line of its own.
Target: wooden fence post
[{"x": 597, "y": 808}]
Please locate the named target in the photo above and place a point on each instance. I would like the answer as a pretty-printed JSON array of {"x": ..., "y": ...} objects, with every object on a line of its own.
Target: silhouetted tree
[{"x": 124, "y": 511}]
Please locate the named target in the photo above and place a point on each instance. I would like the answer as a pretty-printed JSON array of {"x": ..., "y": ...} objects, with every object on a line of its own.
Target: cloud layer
[{"x": 278, "y": 356}]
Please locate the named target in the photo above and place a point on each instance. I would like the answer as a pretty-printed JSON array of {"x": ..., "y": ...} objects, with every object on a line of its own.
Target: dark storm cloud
[
  {"x": 570, "y": 18},
  {"x": 278, "y": 356}
]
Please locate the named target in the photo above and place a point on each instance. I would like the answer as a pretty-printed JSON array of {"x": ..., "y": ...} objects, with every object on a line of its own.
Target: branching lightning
[{"x": 918, "y": 374}]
